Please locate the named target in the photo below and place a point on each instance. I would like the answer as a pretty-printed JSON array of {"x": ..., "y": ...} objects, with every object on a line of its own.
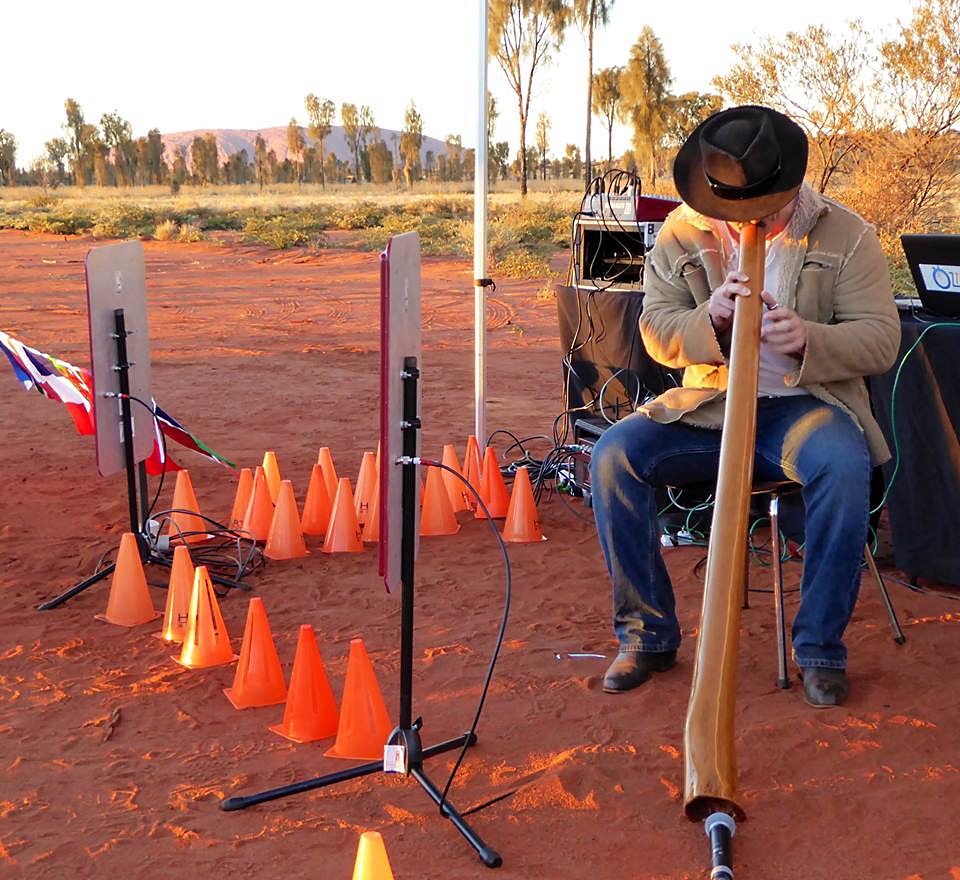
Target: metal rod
[
  {"x": 408, "y": 538},
  {"x": 126, "y": 420},
  {"x": 783, "y": 679}
]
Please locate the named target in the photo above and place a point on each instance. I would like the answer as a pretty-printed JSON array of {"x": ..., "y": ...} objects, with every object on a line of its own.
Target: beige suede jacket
[{"x": 834, "y": 274}]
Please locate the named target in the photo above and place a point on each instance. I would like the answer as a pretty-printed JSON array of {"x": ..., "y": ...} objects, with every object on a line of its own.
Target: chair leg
[
  {"x": 783, "y": 680},
  {"x": 746, "y": 575},
  {"x": 898, "y": 635}
]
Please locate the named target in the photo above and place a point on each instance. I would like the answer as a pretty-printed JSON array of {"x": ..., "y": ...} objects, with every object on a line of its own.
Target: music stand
[
  {"x": 120, "y": 365},
  {"x": 399, "y": 513}
]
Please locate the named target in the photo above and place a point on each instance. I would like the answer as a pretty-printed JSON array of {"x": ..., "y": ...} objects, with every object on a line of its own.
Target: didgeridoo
[{"x": 711, "y": 767}]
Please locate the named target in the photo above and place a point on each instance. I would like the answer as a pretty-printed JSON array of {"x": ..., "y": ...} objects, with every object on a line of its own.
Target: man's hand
[
  {"x": 783, "y": 330},
  {"x": 722, "y": 299}
]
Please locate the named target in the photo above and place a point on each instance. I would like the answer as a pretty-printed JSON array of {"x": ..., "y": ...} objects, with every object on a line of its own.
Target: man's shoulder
[{"x": 837, "y": 226}]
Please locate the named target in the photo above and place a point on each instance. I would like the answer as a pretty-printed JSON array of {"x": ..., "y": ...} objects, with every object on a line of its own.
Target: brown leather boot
[
  {"x": 823, "y": 688},
  {"x": 631, "y": 669}
]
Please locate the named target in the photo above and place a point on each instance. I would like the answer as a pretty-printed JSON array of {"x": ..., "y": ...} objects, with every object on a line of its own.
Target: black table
[{"x": 924, "y": 419}]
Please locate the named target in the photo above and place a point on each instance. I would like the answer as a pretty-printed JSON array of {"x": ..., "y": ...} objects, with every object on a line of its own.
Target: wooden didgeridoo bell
[{"x": 711, "y": 767}]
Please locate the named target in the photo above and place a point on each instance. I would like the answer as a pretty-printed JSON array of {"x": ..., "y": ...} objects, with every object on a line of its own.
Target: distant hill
[{"x": 232, "y": 140}]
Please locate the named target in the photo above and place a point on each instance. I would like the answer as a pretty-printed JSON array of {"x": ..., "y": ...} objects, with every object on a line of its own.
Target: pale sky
[{"x": 240, "y": 64}]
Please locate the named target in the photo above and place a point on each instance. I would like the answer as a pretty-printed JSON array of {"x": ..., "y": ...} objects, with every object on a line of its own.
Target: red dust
[{"x": 253, "y": 350}]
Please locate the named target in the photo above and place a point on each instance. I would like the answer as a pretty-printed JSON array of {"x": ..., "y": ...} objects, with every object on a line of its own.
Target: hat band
[{"x": 738, "y": 193}]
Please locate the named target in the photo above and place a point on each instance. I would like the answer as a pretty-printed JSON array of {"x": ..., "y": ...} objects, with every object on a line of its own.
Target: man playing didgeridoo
[{"x": 829, "y": 321}]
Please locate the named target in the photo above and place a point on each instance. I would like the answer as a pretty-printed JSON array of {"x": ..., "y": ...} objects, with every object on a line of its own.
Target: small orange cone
[
  {"x": 372, "y": 862},
  {"x": 178, "y": 597},
  {"x": 325, "y": 460},
  {"x": 316, "y": 509},
  {"x": 241, "y": 499},
  {"x": 286, "y": 538},
  {"x": 366, "y": 486},
  {"x": 472, "y": 469},
  {"x": 343, "y": 533},
  {"x": 206, "y": 642},
  {"x": 271, "y": 470},
  {"x": 456, "y": 490},
  {"x": 492, "y": 488},
  {"x": 364, "y": 723},
  {"x": 523, "y": 521},
  {"x": 437, "y": 516},
  {"x": 259, "y": 513},
  {"x": 311, "y": 710},
  {"x": 129, "y": 603},
  {"x": 259, "y": 678},
  {"x": 189, "y": 525},
  {"x": 370, "y": 533}
]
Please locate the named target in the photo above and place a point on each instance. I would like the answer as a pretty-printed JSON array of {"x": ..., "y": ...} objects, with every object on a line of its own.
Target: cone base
[
  {"x": 161, "y": 637},
  {"x": 106, "y": 619},
  {"x": 243, "y": 704},
  {"x": 278, "y": 728},
  {"x": 278, "y": 558},
  {"x": 507, "y": 540},
  {"x": 334, "y": 752},
  {"x": 440, "y": 534},
  {"x": 232, "y": 659}
]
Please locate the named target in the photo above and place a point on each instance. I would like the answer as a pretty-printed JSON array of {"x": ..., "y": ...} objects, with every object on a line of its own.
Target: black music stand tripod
[
  {"x": 407, "y": 732},
  {"x": 138, "y": 514}
]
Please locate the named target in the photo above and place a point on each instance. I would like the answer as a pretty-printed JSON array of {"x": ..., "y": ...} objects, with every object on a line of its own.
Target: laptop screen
[{"x": 934, "y": 262}]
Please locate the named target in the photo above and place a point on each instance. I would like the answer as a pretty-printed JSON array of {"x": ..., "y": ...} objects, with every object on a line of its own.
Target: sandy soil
[{"x": 254, "y": 350}]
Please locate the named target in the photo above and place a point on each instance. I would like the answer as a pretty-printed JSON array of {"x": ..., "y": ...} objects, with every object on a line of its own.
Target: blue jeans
[{"x": 798, "y": 438}]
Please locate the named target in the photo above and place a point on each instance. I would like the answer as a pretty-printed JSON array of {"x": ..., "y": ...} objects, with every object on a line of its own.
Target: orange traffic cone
[
  {"x": 370, "y": 533},
  {"x": 456, "y": 490},
  {"x": 523, "y": 522},
  {"x": 241, "y": 499},
  {"x": 178, "y": 597},
  {"x": 343, "y": 533},
  {"x": 437, "y": 516},
  {"x": 186, "y": 526},
  {"x": 286, "y": 538},
  {"x": 129, "y": 603},
  {"x": 492, "y": 488},
  {"x": 259, "y": 513},
  {"x": 259, "y": 679},
  {"x": 364, "y": 723},
  {"x": 366, "y": 486},
  {"x": 316, "y": 509},
  {"x": 372, "y": 862},
  {"x": 325, "y": 460},
  {"x": 311, "y": 710},
  {"x": 271, "y": 470},
  {"x": 472, "y": 469},
  {"x": 206, "y": 642}
]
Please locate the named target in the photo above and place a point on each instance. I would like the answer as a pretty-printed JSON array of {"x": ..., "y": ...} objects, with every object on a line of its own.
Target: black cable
[
  {"x": 163, "y": 443},
  {"x": 500, "y": 633}
]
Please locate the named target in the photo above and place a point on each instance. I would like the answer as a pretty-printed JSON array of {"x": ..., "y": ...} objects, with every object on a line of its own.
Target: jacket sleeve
[
  {"x": 675, "y": 323},
  {"x": 864, "y": 337}
]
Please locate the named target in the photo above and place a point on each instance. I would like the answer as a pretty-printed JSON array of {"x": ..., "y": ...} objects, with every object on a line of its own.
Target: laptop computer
[{"x": 934, "y": 261}]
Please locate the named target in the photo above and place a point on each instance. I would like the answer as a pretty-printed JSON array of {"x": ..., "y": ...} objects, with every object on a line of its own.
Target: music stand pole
[{"x": 407, "y": 732}]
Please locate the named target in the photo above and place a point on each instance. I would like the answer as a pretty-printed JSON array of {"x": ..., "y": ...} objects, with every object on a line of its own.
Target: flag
[{"x": 73, "y": 386}]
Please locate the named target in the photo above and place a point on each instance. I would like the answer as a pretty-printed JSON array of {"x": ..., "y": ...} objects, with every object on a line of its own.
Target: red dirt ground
[{"x": 254, "y": 350}]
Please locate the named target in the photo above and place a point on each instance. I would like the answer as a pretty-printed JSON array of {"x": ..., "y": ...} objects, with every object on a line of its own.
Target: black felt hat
[{"x": 741, "y": 164}]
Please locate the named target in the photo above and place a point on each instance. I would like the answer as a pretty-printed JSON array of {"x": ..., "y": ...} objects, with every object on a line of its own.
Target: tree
[
  {"x": 454, "y": 157},
  {"x": 117, "y": 135},
  {"x": 295, "y": 145},
  {"x": 320, "y": 115},
  {"x": 381, "y": 162},
  {"x": 411, "y": 139},
  {"x": 572, "y": 161},
  {"x": 492, "y": 116},
  {"x": 78, "y": 136},
  {"x": 685, "y": 113},
  {"x": 521, "y": 35},
  {"x": 606, "y": 103},
  {"x": 357, "y": 125},
  {"x": 8, "y": 157},
  {"x": 157, "y": 168},
  {"x": 57, "y": 150},
  {"x": 819, "y": 80},
  {"x": 500, "y": 155},
  {"x": 588, "y": 14},
  {"x": 645, "y": 84},
  {"x": 543, "y": 142},
  {"x": 260, "y": 159}
]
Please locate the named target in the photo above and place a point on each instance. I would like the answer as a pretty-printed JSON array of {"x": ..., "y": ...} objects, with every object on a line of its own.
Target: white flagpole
[{"x": 480, "y": 238}]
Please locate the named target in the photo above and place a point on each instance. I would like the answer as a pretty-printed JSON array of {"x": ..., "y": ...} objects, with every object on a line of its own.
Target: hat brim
[{"x": 695, "y": 190}]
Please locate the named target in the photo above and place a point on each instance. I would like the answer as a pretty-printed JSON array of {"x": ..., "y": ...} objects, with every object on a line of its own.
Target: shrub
[
  {"x": 166, "y": 230},
  {"x": 188, "y": 232},
  {"x": 280, "y": 232},
  {"x": 363, "y": 215},
  {"x": 122, "y": 220},
  {"x": 522, "y": 264},
  {"x": 64, "y": 222}
]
